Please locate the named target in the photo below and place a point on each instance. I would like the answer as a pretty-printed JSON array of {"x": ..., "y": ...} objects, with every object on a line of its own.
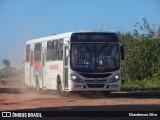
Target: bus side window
[
  {"x": 49, "y": 48},
  {"x": 60, "y": 49},
  {"x": 54, "y": 50},
  {"x": 27, "y": 53},
  {"x": 37, "y": 52}
]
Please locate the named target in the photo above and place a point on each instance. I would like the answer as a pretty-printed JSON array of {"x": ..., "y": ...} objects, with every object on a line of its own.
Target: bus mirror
[
  {"x": 122, "y": 52},
  {"x": 67, "y": 52}
]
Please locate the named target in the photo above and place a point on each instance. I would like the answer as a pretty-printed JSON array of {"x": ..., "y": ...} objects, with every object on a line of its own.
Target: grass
[{"x": 146, "y": 84}]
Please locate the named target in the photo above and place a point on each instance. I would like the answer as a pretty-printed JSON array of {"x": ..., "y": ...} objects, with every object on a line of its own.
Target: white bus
[{"x": 74, "y": 61}]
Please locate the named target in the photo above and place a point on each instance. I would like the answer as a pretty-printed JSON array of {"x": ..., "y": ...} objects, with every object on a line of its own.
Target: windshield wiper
[
  {"x": 87, "y": 47},
  {"x": 102, "y": 48}
]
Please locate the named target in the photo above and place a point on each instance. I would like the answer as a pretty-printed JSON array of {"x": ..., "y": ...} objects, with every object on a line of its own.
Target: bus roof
[
  {"x": 60, "y": 36},
  {"x": 51, "y": 37}
]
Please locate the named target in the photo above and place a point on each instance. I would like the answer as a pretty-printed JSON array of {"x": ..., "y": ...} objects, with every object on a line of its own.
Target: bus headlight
[
  {"x": 115, "y": 78},
  {"x": 74, "y": 77}
]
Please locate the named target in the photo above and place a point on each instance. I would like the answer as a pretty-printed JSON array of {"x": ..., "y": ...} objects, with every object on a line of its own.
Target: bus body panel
[{"x": 54, "y": 69}]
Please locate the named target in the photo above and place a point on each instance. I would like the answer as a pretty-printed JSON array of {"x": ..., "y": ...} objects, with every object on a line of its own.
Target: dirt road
[{"x": 12, "y": 98}]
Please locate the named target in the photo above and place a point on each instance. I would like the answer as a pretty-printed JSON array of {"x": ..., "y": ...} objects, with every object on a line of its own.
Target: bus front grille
[
  {"x": 95, "y": 75},
  {"x": 97, "y": 81},
  {"x": 95, "y": 85}
]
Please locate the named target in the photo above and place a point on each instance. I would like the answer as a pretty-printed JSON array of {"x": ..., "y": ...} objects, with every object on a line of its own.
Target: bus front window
[
  {"x": 107, "y": 56},
  {"x": 95, "y": 57},
  {"x": 83, "y": 56}
]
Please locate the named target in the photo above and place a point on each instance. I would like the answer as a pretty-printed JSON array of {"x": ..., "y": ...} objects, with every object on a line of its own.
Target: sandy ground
[{"x": 13, "y": 98}]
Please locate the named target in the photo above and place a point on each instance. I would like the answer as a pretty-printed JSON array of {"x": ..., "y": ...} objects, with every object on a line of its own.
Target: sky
[{"x": 22, "y": 20}]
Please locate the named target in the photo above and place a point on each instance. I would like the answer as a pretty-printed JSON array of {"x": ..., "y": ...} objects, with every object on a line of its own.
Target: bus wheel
[{"x": 60, "y": 91}]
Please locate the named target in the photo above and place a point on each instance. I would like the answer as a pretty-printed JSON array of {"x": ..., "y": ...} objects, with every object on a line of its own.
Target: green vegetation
[
  {"x": 141, "y": 67},
  {"x": 147, "y": 84}
]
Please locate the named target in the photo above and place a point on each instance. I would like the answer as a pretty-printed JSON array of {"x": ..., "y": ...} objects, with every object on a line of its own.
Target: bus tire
[{"x": 59, "y": 89}]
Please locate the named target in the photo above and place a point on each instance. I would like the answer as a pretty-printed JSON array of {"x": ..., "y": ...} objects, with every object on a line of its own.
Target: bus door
[
  {"x": 31, "y": 65},
  {"x": 44, "y": 50},
  {"x": 65, "y": 68}
]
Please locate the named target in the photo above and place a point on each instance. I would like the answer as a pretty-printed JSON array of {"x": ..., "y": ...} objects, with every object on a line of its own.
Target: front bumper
[{"x": 100, "y": 86}]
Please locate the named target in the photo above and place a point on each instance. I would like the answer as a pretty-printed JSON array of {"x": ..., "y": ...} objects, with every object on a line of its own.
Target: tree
[
  {"x": 142, "y": 52},
  {"x": 6, "y": 62}
]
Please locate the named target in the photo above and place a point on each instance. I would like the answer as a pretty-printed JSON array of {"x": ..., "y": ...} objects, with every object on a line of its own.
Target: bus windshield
[{"x": 95, "y": 56}]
